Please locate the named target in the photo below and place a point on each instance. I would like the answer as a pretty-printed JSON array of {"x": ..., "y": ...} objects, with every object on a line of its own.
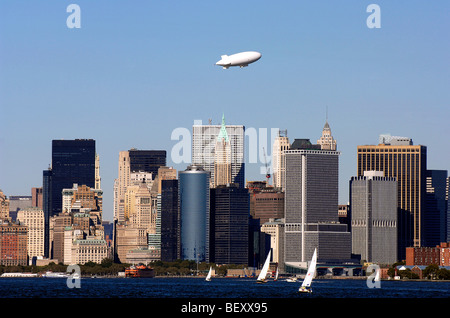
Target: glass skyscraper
[
  {"x": 73, "y": 161},
  {"x": 194, "y": 213}
]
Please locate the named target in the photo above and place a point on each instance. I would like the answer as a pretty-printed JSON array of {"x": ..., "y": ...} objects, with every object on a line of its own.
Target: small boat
[
  {"x": 276, "y": 275},
  {"x": 306, "y": 285},
  {"x": 262, "y": 275},
  {"x": 50, "y": 274},
  {"x": 291, "y": 279},
  {"x": 208, "y": 277}
]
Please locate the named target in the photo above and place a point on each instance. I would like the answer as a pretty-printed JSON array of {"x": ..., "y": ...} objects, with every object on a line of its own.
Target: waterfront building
[
  {"x": 435, "y": 215},
  {"x": 33, "y": 218},
  {"x": 229, "y": 225},
  {"x": 280, "y": 145},
  {"x": 193, "y": 191},
  {"x": 204, "y": 138},
  {"x": 88, "y": 250},
  {"x": 128, "y": 237},
  {"x": 13, "y": 244},
  {"x": 275, "y": 229},
  {"x": 311, "y": 202},
  {"x": 373, "y": 199},
  {"x": 439, "y": 255},
  {"x": 397, "y": 157}
]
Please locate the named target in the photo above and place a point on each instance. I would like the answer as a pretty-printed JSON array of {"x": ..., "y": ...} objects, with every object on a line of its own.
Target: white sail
[
  {"x": 311, "y": 271},
  {"x": 208, "y": 277},
  {"x": 263, "y": 273},
  {"x": 377, "y": 275}
]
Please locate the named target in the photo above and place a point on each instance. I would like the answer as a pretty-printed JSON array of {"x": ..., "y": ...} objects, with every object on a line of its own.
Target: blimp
[{"x": 239, "y": 59}]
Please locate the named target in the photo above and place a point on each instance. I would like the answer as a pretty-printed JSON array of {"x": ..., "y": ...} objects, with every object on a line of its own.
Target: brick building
[
  {"x": 13, "y": 244},
  {"x": 439, "y": 255}
]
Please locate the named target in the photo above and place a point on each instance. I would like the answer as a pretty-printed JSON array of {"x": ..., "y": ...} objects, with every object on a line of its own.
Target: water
[
  {"x": 217, "y": 288},
  {"x": 221, "y": 296}
]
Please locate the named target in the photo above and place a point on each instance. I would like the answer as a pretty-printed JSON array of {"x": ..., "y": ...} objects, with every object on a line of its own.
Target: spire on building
[
  {"x": 326, "y": 141},
  {"x": 223, "y": 132}
]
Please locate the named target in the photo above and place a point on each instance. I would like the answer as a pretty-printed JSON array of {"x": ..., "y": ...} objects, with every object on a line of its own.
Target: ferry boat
[{"x": 139, "y": 271}]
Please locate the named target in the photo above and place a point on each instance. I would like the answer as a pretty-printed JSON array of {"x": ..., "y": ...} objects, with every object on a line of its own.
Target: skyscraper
[
  {"x": 280, "y": 145},
  {"x": 326, "y": 141},
  {"x": 193, "y": 191},
  {"x": 169, "y": 220},
  {"x": 73, "y": 161},
  {"x": 311, "y": 204},
  {"x": 204, "y": 140},
  {"x": 373, "y": 199},
  {"x": 130, "y": 161},
  {"x": 435, "y": 215},
  {"x": 397, "y": 157},
  {"x": 229, "y": 225},
  {"x": 222, "y": 158}
]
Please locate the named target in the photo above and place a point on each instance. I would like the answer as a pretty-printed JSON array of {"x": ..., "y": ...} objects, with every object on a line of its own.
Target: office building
[
  {"x": 265, "y": 202},
  {"x": 229, "y": 225},
  {"x": 142, "y": 162},
  {"x": 36, "y": 197},
  {"x": 169, "y": 220},
  {"x": 435, "y": 213},
  {"x": 397, "y": 157},
  {"x": 204, "y": 138},
  {"x": 73, "y": 161},
  {"x": 373, "y": 199},
  {"x": 193, "y": 191},
  {"x": 13, "y": 244},
  {"x": 33, "y": 219},
  {"x": 4, "y": 206},
  {"x": 280, "y": 145},
  {"x": 311, "y": 204},
  {"x": 128, "y": 237},
  {"x": 17, "y": 203},
  {"x": 222, "y": 158},
  {"x": 326, "y": 141}
]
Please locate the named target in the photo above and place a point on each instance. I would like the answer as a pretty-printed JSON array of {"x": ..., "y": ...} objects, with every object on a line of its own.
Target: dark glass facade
[
  {"x": 230, "y": 212},
  {"x": 147, "y": 160},
  {"x": 73, "y": 161},
  {"x": 169, "y": 220}
]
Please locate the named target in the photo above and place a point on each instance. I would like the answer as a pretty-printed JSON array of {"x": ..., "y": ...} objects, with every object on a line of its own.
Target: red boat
[{"x": 139, "y": 271}]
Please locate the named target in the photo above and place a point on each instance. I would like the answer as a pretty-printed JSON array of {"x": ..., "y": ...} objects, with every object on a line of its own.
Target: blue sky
[{"x": 136, "y": 70}]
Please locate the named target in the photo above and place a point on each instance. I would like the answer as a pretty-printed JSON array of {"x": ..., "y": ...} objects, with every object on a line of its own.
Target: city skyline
[{"x": 131, "y": 75}]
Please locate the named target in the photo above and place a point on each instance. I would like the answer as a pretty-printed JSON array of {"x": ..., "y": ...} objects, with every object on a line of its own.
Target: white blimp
[{"x": 239, "y": 59}]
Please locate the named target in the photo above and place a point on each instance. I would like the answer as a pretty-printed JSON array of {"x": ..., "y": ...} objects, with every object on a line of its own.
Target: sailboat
[
  {"x": 276, "y": 275},
  {"x": 208, "y": 277},
  {"x": 306, "y": 285},
  {"x": 262, "y": 275}
]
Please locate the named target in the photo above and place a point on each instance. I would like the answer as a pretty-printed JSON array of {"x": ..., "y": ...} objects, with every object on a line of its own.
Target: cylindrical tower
[{"x": 194, "y": 213}]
